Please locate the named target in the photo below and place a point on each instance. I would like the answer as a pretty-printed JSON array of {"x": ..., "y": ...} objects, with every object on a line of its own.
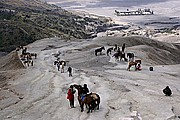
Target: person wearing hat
[
  {"x": 85, "y": 89},
  {"x": 70, "y": 96}
]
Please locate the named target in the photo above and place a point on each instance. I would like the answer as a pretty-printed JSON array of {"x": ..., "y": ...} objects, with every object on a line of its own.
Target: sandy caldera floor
[{"x": 40, "y": 91}]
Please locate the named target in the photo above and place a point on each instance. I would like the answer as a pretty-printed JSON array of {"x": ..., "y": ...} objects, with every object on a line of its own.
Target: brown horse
[
  {"x": 91, "y": 100},
  {"x": 131, "y": 63}
]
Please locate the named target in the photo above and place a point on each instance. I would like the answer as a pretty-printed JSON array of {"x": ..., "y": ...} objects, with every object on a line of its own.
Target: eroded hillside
[{"x": 24, "y": 21}]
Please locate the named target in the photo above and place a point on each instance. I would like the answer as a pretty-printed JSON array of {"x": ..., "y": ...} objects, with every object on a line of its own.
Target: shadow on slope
[{"x": 11, "y": 62}]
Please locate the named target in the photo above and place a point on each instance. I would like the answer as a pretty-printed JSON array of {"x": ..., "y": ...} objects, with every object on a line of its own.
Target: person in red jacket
[{"x": 70, "y": 96}]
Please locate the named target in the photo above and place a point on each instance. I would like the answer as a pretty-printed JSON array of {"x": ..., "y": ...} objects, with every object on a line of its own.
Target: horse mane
[{"x": 79, "y": 88}]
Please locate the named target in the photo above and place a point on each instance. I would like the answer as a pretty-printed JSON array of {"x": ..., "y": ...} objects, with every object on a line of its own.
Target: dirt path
[{"x": 43, "y": 89}]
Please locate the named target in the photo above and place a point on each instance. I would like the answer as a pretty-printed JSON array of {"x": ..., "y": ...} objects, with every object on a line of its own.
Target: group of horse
[
  {"x": 91, "y": 100},
  {"x": 119, "y": 55},
  {"x": 25, "y": 56}
]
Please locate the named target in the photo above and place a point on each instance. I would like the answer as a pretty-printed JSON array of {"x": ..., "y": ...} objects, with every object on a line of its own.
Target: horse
[
  {"x": 91, "y": 100},
  {"x": 131, "y": 63},
  {"x": 27, "y": 62},
  {"x": 109, "y": 51},
  {"x": 119, "y": 55},
  {"x": 99, "y": 50},
  {"x": 56, "y": 62},
  {"x": 25, "y": 56},
  {"x": 130, "y": 56},
  {"x": 123, "y": 47},
  {"x": 34, "y": 54}
]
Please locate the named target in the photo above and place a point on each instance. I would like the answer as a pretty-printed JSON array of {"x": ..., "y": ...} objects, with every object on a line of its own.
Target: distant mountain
[{"x": 24, "y": 21}]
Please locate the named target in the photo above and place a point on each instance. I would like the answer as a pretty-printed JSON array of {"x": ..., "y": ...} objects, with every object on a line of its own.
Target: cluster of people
[
  {"x": 120, "y": 54},
  {"x": 25, "y": 56},
  {"x": 70, "y": 96},
  {"x": 71, "y": 92},
  {"x": 60, "y": 66}
]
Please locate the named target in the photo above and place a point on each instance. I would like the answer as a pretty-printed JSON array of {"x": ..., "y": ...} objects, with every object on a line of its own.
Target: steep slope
[
  {"x": 25, "y": 21},
  {"x": 11, "y": 62}
]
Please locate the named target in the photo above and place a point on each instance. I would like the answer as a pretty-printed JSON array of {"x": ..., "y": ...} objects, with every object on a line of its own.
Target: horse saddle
[{"x": 82, "y": 96}]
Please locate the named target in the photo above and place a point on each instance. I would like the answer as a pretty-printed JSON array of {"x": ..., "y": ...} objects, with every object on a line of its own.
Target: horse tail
[{"x": 96, "y": 99}]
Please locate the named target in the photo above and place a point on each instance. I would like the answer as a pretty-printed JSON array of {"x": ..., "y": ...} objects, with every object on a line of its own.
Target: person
[
  {"x": 70, "y": 71},
  {"x": 85, "y": 90},
  {"x": 70, "y": 96},
  {"x": 123, "y": 47},
  {"x": 167, "y": 91},
  {"x": 115, "y": 47},
  {"x": 138, "y": 66},
  {"x": 58, "y": 65},
  {"x": 24, "y": 51}
]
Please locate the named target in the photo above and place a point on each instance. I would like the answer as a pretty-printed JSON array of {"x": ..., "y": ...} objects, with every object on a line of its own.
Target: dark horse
[
  {"x": 130, "y": 56},
  {"x": 119, "y": 55},
  {"x": 109, "y": 51},
  {"x": 91, "y": 100},
  {"x": 99, "y": 50}
]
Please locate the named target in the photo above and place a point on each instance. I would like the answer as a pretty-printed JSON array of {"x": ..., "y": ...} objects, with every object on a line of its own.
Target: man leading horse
[{"x": 91, "y": 100}]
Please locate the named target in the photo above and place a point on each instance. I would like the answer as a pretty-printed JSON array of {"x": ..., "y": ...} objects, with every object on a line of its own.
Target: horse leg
[
  {"x": 129, "y": 66},
  {"x": 89, "y": 109},
  {"x": 98, "y": 102},
  {"x": 135, "y": 67},
  {"x": 95, "y": 53},
  {"x": 107, "y": 53},
  {"x": 120, "y": 58},
  {"x": 31, "y": 63},
  {"x": 58, "y": 67},
  {"x": 126, "y": 59},
  {"x": 82, "y": 107}
]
